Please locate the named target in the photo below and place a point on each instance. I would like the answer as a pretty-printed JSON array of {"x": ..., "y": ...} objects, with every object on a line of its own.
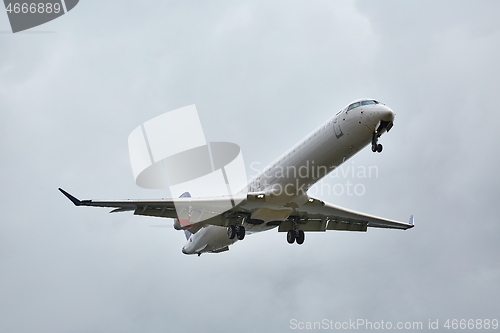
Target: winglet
[
  {"x": 411, "y": 222},
  {"x": 70, "y": 197}
]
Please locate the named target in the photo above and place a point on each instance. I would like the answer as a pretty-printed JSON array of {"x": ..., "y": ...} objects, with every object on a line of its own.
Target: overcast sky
[{"x": 263, "y": 75}]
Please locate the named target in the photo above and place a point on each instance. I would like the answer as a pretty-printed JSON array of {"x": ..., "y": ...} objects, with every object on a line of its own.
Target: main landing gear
[
  {"x": 376, "y": 147},
  {"x": 236, "y": 231},
  {"x": 295, "y": 236}
]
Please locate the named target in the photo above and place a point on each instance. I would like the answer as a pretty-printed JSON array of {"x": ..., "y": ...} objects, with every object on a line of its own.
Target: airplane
[{"x": 276, "y": 197}]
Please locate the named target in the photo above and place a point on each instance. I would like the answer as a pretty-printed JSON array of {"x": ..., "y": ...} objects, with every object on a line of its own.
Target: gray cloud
[{"x": 262, "y": 75}]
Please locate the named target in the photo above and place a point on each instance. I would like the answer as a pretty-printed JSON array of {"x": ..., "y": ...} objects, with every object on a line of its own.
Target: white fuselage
[{"x": 294, "y": 172}]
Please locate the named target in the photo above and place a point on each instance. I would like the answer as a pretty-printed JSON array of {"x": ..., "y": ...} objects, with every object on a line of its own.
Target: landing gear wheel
[
  {"x": 376, "y": 147},
  {"x": 241, "y": 232},
  {"x": 290, "y": 236},
  {"x": 231, "y": 232},
  {"x": 300, "y": 236}
]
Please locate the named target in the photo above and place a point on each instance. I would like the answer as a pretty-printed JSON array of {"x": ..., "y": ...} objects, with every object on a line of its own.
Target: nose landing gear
[
  {"x": 384, "y": 125},
  {"x": 376, "y": 147}
]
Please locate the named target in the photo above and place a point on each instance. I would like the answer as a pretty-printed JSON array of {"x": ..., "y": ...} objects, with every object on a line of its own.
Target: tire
[
  {"x": 300, "y": 237},
  {"x": 241, "y": 232},
  {"x": 290, "y": 236},
  {"x": 379, "y": 148},
  {"x": 231, "y": 232}
]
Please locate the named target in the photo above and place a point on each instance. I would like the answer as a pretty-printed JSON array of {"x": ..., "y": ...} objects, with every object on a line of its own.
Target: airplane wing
[
  {"x": 314, "y": 215},
  {"x": 188, "y": 210}
]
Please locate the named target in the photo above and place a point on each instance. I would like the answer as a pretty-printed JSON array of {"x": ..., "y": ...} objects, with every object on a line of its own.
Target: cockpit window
[
  {"x": 369, "y": 102},
  {"x": 353, "y": 105}
]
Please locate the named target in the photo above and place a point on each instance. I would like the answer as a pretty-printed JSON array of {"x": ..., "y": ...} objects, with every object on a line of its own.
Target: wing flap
[
  {"x": 306, "y": 225},
  {"x": 316, "y": 215},
  {"x": 347, "y": 225},
  {"x": 166, "y": 212}
]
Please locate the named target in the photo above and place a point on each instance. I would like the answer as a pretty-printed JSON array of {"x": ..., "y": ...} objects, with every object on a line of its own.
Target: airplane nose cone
[
  {"x": 184, "y": 251},
  {"x": 387, "y": 115}
]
